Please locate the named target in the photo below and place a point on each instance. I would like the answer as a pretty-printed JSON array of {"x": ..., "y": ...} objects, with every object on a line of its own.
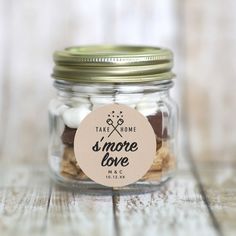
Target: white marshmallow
[
  {"x": 56, "y": 108},
  {"x": 101, "y": 101},
  {"x": 147, "y": 109},
  {"x": 148, "y": 106},
  {"x": 129, "y": 89},
  {"x": 81, "y": 101},
  {"x": 62, "y": 109},
  {"x": 73, "y": 116},
  {"x": 89, "y": 89},
  {"x": 128, "y": 99}
]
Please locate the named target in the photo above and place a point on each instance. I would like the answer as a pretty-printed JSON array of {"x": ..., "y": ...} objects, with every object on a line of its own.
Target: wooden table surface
[{"x": 201, "y": 199}]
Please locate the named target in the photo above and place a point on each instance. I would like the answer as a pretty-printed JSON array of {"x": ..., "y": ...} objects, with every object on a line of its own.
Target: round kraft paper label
[{"x": 115, "y": 145}]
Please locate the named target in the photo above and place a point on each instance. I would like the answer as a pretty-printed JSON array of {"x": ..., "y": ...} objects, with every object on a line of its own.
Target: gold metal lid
[{"x": 113, "y": 64}]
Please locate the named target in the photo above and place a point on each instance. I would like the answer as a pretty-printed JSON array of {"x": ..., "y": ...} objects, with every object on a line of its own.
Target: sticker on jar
[{"x": 115, "y": 145}]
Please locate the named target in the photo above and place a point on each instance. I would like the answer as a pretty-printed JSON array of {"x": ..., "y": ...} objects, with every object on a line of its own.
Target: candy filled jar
[{"x": 113, "y": 124}]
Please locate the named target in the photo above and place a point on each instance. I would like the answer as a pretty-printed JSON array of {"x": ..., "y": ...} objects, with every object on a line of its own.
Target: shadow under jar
[{"x": 90, "y": 77}]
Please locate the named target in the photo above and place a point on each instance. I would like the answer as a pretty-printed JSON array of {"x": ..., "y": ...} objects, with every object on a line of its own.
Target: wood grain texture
[
  {"x": 32, "y": 31},
  {"x": 175, "y": 209},
  {"x": 210, "y": 37},
  {"x": 31, "y": 205},
  {"x": 201, "y": 199},
  {"x": 28, "y": 206},
  {"x": 219, "y": 183},
  {"x": 23, "y": 200},
  {"x": 72, "y": 213},
  {"x": 210, "y": 43}
]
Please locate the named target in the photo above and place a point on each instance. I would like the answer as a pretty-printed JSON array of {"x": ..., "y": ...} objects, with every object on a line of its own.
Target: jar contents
[{"x": 163, "y": 161}]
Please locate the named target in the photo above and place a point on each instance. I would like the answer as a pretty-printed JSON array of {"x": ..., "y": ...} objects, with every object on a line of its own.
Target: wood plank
[
  {"x": 219, "y": 183},
  {"x": 72, "y": 213},
  {"x": 5, "y": 61},
  {"x": 175, "y": 209},
  {"x": 31, "y": 205},
  {"x": 32, "y": 31},
  {"x": 24, "y": 194},
  {"x": 210, "y": 35}
]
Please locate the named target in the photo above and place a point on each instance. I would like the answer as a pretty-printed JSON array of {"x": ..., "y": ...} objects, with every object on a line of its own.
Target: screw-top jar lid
[{"x": 113, "y": 64}]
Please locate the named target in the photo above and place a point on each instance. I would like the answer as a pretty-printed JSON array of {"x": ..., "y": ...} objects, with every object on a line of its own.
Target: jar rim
[{"x": 113, "y": 64}]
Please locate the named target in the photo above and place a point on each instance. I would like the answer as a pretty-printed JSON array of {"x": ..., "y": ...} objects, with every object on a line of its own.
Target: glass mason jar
[{"x": 91, "y": 77}]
